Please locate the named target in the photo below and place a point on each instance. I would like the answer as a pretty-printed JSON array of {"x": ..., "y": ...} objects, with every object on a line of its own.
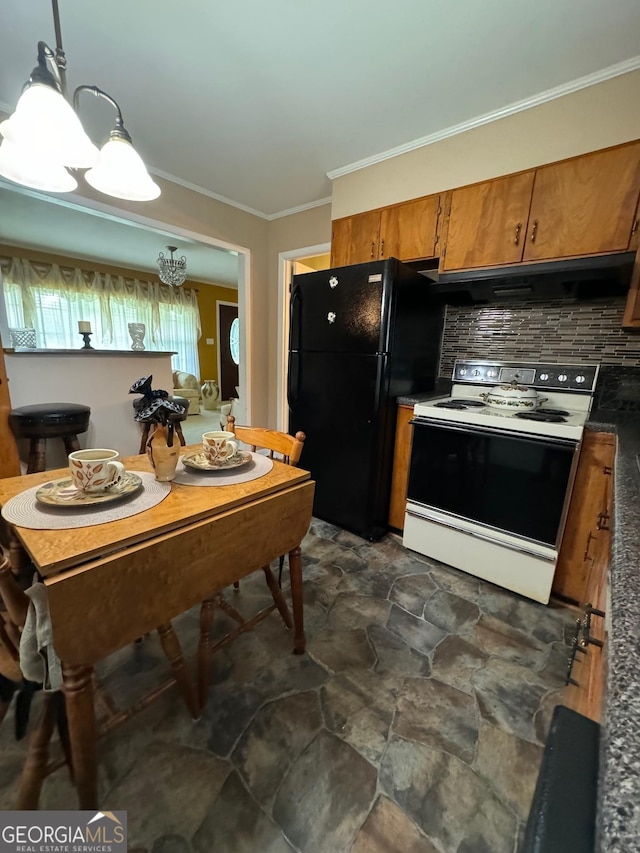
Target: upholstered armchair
[{"x": 186, "y": 385}]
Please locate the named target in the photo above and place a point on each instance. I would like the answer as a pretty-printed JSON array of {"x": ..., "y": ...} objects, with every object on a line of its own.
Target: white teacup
[
  {"x": 95, "y": 469},
  {"x": 219, "y": 445}
]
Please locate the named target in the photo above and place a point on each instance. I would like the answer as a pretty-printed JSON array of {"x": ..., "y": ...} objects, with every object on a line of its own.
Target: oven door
[{"x": 507, "y": 482}]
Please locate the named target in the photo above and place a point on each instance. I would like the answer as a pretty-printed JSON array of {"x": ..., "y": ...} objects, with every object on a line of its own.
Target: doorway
[{"x": 228, "y": 349}]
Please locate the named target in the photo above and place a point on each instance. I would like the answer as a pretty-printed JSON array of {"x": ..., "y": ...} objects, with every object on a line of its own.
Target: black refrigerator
[{"x": 360, "y": 336}]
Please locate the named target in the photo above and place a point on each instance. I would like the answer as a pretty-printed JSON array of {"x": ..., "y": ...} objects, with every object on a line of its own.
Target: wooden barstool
[
  {"x": 49, "y": 420},
  {"x": 175, "y": 419}
]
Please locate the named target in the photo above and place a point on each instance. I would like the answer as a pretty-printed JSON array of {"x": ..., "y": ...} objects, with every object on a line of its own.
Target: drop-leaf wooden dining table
[{"x": 111, "y": 583}]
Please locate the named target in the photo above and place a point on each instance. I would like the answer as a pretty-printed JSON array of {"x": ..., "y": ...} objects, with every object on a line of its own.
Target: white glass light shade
[
  {"x": 120, "y": 172},
  {"x": 45, "y": 122},
  {"x": 26, "y": 167}
]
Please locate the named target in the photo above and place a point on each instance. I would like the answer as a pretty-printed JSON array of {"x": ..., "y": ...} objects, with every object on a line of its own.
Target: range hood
[{"x": 602, "y": 275}]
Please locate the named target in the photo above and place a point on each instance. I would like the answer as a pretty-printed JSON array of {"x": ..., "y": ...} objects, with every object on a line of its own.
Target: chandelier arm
[
  {"x": 119, "y": 130},
  {"x": 60, "y": 56}
]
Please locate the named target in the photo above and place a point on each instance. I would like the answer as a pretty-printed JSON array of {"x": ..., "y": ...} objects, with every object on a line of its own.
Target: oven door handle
[
  {"x": 474, "y": 430},
  {"x": 485, "y": 538}
]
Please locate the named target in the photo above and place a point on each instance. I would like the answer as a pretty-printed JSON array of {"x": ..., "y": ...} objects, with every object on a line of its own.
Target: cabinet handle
[
  {"x": 516, "y": 238},
  {"x": 603, "y": 518},
  {"x": 381, "y": 249},
  {"x": 635, "y": 227},
  {"x": 534, "y": 231},
  {"x": 586, "y": 550},
  {"x": 372, "y": 245},
  {"x": 606, "y": 469},
  {"x": 587, "y": 639}
]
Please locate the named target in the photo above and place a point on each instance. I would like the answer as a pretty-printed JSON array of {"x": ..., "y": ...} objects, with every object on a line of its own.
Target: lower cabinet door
[{"x": 401, "y": 457}]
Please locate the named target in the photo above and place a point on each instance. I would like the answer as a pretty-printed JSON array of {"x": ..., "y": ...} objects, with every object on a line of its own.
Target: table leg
[
  {"x": 78, "y": 690},
  {"x": 173, "y": 652},
  {"x": 295, "y": 576},
  {"x": 35, "y": 766},
  {"x": 204, "y": 651}
]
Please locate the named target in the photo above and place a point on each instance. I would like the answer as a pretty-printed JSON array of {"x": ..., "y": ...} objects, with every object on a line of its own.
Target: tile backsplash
[{"x": 558, "y": 330}]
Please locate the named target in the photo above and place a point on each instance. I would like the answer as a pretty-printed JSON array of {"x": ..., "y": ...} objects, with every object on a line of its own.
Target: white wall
[{"x": 101, "y": 382}]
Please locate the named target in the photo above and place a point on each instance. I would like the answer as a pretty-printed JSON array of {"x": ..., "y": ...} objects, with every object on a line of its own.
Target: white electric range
[{"x": 489, "y": 490}]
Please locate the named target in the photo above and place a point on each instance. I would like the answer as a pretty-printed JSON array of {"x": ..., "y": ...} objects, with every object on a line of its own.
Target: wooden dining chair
[{"x": 285, "y": 448}]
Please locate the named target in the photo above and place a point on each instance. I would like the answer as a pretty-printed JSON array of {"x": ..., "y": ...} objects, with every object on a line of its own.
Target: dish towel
[{"x": 38, "y": 660}]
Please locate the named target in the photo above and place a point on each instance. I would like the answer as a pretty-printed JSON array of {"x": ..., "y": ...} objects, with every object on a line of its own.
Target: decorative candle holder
[{"x": 86, "y": 336}]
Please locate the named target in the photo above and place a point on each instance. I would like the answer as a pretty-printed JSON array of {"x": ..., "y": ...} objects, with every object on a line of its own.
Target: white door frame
[
  {"x": 108, "y": 211},
  {"x": 220, "y": 302},
  {"x": 285, "y": 265}
]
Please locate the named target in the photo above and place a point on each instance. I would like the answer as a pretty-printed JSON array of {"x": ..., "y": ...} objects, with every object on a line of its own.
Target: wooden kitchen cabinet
[
  {"x": 488, "y": 222},
  {"x": 631, "y": 318},
  {"x": 408, "y": 231},
  {"x": 583, "y": 567},
  {"x": 584, "y": 206},
  {"x": 401, "y": 459},
  {"x": 586, "y": 532},
  {"x": 355, "y": 239}
]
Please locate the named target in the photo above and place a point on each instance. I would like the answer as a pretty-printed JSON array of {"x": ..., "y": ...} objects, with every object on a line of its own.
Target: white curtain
[{"x": 52, "y": 299}]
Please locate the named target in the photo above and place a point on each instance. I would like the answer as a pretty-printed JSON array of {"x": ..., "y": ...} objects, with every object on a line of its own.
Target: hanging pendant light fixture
[
  {"x": 172, "y": 271},
  {"x": 44, "y": 137}
]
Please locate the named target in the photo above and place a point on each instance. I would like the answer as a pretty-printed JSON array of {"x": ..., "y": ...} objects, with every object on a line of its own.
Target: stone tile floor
[{"x": 414, "y": 723}]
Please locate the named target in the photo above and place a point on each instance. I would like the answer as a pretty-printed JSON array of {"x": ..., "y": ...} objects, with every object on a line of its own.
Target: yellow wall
[
  {"x": 208, "y": 294},
  {"x": 597, "y": 117}
]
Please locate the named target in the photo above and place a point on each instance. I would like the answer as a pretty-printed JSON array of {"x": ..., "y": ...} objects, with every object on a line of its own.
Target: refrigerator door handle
[
  {"x": 380, "y": 375},
  {"x": 293, "y": 379},
  {"x": 295, "y": 308}
]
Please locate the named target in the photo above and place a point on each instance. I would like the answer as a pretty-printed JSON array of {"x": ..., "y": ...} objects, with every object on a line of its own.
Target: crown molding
[
  {"x": 299, "y": 209},
  {"x": 204, "y": 191},
  {"x": 617, "y": 70}
]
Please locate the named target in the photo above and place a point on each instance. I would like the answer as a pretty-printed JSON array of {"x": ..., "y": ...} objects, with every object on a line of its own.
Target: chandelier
[
  {"x": 172, "y": 271},
  {"x": 44, "y": 137}
]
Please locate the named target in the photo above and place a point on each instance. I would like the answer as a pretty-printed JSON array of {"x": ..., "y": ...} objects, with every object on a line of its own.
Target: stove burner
[
  {"x": 540, "y": 415},
  {"x": 459, "y": 404},
  {"x": 449, "y": 404},
  {"x": 544, "y": 411}
]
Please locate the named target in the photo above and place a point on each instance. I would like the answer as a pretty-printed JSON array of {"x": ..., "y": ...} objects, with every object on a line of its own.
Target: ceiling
[
  {"x": 256, "y": 101},
  {"x": 46, "y": 226}
]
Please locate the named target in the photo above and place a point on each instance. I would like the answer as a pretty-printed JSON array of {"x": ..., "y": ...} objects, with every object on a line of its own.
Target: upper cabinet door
[
  {"x": 488, "y": 222},
  {"x": 355, "y": 239},
  {"x": 584, "y": 206},
  {"x": 408, "y": 231}
]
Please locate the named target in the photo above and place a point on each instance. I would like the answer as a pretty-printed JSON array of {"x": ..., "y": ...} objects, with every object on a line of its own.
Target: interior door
[
  {"x": 488, "y": 222},
  {"x": 229, "y": 356}
]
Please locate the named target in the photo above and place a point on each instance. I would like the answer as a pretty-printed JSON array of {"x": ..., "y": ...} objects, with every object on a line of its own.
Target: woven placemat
[
  {"x": 25, "y": 511},
  {"x": 258, "y": 467}
]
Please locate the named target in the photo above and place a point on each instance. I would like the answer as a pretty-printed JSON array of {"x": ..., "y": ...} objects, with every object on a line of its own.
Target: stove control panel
[{"x": 565, "y": 377}]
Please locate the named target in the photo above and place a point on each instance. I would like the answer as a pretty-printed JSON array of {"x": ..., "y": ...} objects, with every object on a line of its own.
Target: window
[
  {"x": 52, "y": 299},
  {"x": 234, "y": 341}
]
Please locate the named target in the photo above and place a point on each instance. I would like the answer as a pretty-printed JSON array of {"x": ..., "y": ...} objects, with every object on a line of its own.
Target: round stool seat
[{"x": 49, "y": 420}]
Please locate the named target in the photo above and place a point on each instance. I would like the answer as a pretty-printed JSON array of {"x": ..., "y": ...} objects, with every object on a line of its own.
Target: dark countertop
[
  {"x": 619, "y": 790},
  {"x": 442, "y": 389}
]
